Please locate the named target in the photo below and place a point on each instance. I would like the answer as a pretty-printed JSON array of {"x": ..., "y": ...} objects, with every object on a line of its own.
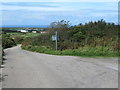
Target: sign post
[{"x": 55, "y": 38}]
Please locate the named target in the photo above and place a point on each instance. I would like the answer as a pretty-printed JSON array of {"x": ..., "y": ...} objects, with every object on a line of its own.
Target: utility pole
[{"x": 56, "y": 39}]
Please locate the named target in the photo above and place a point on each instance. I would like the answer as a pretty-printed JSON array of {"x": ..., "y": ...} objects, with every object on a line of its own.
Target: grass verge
[{"x": 86, "y": 51}]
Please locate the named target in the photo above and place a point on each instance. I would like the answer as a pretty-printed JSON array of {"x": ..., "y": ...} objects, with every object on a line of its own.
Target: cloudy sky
[{"x": 43, "y": 13}]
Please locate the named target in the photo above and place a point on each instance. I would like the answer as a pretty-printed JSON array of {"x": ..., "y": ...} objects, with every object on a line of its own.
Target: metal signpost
[{"x": 55, "y": 38}]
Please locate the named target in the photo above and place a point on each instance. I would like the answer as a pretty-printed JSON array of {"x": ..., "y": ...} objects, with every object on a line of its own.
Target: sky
[{"x": 43, "y": 13}]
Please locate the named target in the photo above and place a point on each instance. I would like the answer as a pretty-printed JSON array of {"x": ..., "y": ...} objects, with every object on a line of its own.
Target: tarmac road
[{"x": 24, "y": 69}]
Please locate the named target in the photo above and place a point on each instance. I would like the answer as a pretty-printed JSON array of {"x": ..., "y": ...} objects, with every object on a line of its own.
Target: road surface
[{"x": 24, "y": 69}]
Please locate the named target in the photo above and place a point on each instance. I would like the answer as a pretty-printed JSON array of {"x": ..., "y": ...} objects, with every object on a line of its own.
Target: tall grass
[{"x": 86, "y": 51}]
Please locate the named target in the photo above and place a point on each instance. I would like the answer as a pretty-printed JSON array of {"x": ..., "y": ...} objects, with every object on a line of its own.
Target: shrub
[
  {"x": 7, "y": 42},
  {"x": 18, "y": 39}
]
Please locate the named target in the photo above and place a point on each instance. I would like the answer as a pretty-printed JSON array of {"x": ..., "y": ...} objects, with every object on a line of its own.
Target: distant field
[{"x": 23, "y": 34}]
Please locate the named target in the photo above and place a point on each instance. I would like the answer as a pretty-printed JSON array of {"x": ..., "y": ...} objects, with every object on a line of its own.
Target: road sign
[{"x": 54, "y": 37}]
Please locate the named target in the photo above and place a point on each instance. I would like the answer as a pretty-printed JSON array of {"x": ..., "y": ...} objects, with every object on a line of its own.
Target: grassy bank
[
  {"x": 83, "y": 51},
  {"x": 93, "y": 39}
]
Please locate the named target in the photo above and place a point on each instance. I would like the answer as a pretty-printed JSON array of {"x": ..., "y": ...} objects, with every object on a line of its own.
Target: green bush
[
  {"x": 7, "y": 41},
  {"x": 18, "y": 39}
]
